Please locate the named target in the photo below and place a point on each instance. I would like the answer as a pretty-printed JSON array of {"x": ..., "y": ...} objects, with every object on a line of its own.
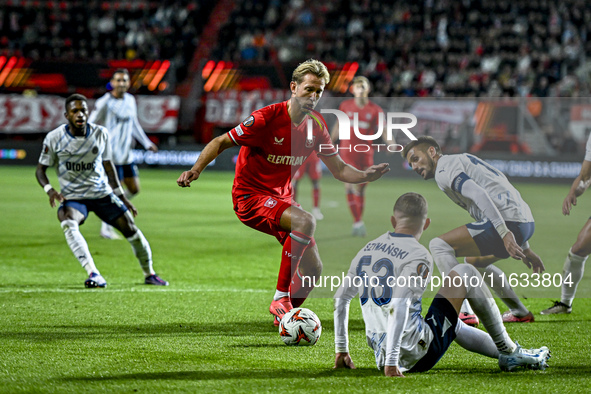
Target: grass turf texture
[{"x": 210, "y": 330}]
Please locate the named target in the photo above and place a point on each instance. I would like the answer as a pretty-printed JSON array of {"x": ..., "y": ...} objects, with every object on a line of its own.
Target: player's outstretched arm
[
  {"x": 210, "y": 152},
  {"x": 349, "y": 174},
  {"x": 343, "y": 360},
  {"x": 41, "y": 175},
  {"x": 580, "y": 184}
]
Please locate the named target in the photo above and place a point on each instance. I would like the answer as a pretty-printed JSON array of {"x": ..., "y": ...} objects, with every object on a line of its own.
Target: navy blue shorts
[
  {"x": 442, "y": 318},
  {"x": 127, "y": 171},
  {"x": 490, "y": 242},
  {"x": 108, "y": 208}
]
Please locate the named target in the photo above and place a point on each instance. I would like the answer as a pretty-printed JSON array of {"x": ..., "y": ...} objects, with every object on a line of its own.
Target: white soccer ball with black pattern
[{"x": 300, "y": 327}]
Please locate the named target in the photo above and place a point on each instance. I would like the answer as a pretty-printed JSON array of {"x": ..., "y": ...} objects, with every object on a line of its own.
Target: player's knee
[
  {"x": 69, "y": 224},
  {"x": 581, "y": 249},
  {"x": 438, "y": 246},
  {"x": 466, "y": 270},
  {"x": 305, "y": 223}
]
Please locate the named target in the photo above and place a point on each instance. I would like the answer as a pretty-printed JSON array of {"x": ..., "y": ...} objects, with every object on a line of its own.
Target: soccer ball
[{"x": 300, "y": 327}]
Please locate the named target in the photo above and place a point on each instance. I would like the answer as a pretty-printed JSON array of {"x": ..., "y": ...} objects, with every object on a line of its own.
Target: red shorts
[
  {"x": 312, "y": 167},
  {"x": 263, "y": 213},
  {"x": 361, "y": 161}
]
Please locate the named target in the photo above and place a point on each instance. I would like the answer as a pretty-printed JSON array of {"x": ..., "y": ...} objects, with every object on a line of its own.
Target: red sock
[
  {"x": 293, "y": 249},
  {"x": 352, "y": 201},
  {"x": 299, "y": 291},
  {"x": 360, "y": 205},
  {"x": 316, "y": 196}
]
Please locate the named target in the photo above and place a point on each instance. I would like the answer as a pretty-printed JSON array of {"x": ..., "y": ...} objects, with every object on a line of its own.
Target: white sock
[
  {"x": 78, "y": 245},
  {"x": 445, "y": 259},
  {"x": 280, "y": 294},
  {"x": 502, "y": 289},
  {"x": 141, "y": 249},
  {"x": 443, "y": 255},
  {"x": 486, "y": 309},
  {"x": 575, "y": 266},
  {"x": 475, "y": 340}
]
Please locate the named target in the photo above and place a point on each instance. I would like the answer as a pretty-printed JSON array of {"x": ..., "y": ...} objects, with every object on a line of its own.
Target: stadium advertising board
[{"x": 20, "y": 114}]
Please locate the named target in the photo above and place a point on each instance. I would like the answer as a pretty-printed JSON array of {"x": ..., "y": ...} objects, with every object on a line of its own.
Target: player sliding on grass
[
  {"x": 81, "y": 153},
  {"x": 391, "y": 274},
  {"x": 504, "y": 222},
  {"x": 274, "y": 144},
  {"x": 574, "y": 265}
]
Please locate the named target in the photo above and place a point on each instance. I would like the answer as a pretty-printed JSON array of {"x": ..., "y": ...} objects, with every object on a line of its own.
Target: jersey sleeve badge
[{"x": 248, "y": 121}]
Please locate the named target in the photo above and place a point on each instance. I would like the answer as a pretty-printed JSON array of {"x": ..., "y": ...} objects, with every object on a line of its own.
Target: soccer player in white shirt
[
  {"x": 117, "y": 111},
  {"x": 390, "y": 275},
  {"x": 81, "y": 153},
  {"x": 574, "y": 265},
  {"x": 504, "y": 222}
]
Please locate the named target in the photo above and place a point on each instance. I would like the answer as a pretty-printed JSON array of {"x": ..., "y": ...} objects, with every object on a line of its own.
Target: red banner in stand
[{"x": 20, "y": 114}]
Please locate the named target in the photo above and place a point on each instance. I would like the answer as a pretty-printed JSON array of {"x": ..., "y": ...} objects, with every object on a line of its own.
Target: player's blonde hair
[
  {"x": 310, "y": 66},
  {"x": 361, "y": 78}
]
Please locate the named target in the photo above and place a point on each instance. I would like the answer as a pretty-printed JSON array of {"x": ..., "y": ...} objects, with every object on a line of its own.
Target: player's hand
[
  {"x": 129, "y": 205},
  {"x": 393, "y": 372},
  {"x": 513, "y": 249},
  {"x": 533, "y": 261},
  {"x": 54, "y": 195},
  {"x": 153, "y": 148},
  {"x": 375, "y": 172},
  {"x": 343, "y": 360},
  {"x": 568, "y": 203},
  {"x": 187, "y": 177}
]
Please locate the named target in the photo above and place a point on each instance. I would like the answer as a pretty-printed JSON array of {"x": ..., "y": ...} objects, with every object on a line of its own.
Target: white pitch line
[{"x": 134, "y": 290}]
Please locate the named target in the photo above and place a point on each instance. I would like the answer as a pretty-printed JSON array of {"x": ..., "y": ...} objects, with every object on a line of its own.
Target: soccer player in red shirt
[
  {"x": 368, "y": 118},
  {"x": 313, "y": 168},
  {"x": 275, "y": 142}
]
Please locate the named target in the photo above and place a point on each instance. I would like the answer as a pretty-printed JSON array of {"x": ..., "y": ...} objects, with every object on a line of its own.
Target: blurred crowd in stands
[
  {"x": 101, "y": 30},
  {"x": 406, "y": 48},
  {"x": 426, "y": 47}
]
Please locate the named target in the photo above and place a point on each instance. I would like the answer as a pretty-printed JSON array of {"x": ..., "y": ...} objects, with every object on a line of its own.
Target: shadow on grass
[
  {"x": 264, "y": 374},
  {"x": 82, "y": 332}
]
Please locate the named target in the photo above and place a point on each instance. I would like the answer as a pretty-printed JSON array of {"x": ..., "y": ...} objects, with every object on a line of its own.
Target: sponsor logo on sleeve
[{"x": 239, "y": 131}]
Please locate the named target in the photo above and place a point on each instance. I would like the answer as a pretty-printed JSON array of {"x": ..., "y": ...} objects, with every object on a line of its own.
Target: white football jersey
[
  {"x": 389, "y": 267},
  {"x": 78, "y": 161},
  {"x": 588, "y": 149},
  {"x": 506, "y": 198},
  {"x": 119, "y": 116}
]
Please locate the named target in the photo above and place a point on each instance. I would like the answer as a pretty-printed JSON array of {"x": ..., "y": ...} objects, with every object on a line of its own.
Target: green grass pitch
[{"x": 210, "y": 330}]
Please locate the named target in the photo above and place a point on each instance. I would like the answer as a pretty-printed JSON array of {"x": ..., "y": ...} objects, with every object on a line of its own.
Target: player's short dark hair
[
  {"x": 120, "y": 71},
  {"x": 411, "y": 205},
  {"x": 423, "y": 143},
  {"x": 75, "y": 97}
]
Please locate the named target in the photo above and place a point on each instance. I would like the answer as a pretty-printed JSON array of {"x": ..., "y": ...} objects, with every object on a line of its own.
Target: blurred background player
[
  {"x": 117, "y": 111},
  {"x": 81, "y": 153},
  {"x": 504, "y": 222},
  {"x": 313, "y": 168},
  {"x": 368, "y": 118},
  {"x": 574, "y": 265},
  {"x": 402, "y": 340},
  {"x": 274, "y": 142}
]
